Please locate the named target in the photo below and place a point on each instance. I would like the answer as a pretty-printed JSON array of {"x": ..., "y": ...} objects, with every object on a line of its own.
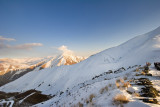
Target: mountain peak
[{"x": 69, "y": 58}]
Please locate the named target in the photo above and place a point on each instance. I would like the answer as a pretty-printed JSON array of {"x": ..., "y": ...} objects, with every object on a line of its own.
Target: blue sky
[{"x": 39, "y": 27}]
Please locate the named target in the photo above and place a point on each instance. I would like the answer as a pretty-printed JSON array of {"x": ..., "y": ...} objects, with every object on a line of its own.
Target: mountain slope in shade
[{"x": 57, "y": 80}]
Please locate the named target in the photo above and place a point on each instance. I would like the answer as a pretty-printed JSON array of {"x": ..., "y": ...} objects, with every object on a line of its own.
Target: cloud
[
  {"x": 8, "y": 50},
  {"x": 65, "y": 50},
  {"x": 27, "y": 46},
  {"x": 2, "y": 46},
  {"x": 6, "y": 39}
]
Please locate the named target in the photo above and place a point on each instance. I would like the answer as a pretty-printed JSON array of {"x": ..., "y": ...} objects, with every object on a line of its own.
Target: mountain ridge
[{"x": 12, "y": 69}]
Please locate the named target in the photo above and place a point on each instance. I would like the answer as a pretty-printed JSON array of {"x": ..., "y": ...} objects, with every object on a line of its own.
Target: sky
[{"x": 34, "y": 28}]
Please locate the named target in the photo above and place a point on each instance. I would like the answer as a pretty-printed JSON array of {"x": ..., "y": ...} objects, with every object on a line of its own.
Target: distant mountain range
[{"x": 11, "y": 69}]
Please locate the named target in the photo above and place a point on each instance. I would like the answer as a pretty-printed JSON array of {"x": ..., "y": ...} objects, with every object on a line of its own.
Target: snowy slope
[{"x": 141, "y": 49}]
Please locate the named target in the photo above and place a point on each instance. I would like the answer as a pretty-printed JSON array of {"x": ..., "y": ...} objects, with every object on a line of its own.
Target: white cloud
[
  {"x": 27, "y": 46},
  {"x": 65, "y": 50},
  {"x": 2, "y": 46},
  {"x": 6, "y": 39},
  {"x": 16, "y": 50}
]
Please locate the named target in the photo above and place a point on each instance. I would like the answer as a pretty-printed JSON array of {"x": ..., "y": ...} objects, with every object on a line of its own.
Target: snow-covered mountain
[
  {"x": 64, "y": 59},
  {"x": 11, "y": 69},
  {"x": 8, "y": 64},
  {"x": 69, "y": 85}
]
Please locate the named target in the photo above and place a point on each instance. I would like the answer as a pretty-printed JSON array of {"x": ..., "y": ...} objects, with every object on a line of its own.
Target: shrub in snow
[
  {"x": 126, "y": 84},
  {"x": 122, "y": 84},
  {"x": 125, "y": 78},
  {"x": 118, "y": 84},
  {"x": 148, "y": 64},
  {"x": 143, "y": 73},
  {"x": 87, "y": 101},
  {"x": 146, "y": 67},
  {"x": 80, "y": 104},
  {"x": 121, "y": 80},
  {"x": 137, "y": 74},
  {"x": 104, "y": 89},
  {"x": 118, "y": 80},
  {"x": 136, "y": 94},
  {"x": 110, "y": 85},
  {"x": 91, "y": 97},
  {"x": 137, "y": 70},
  {"x": 120, "y": 99},
  {"x": 146, "y": 70}
]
